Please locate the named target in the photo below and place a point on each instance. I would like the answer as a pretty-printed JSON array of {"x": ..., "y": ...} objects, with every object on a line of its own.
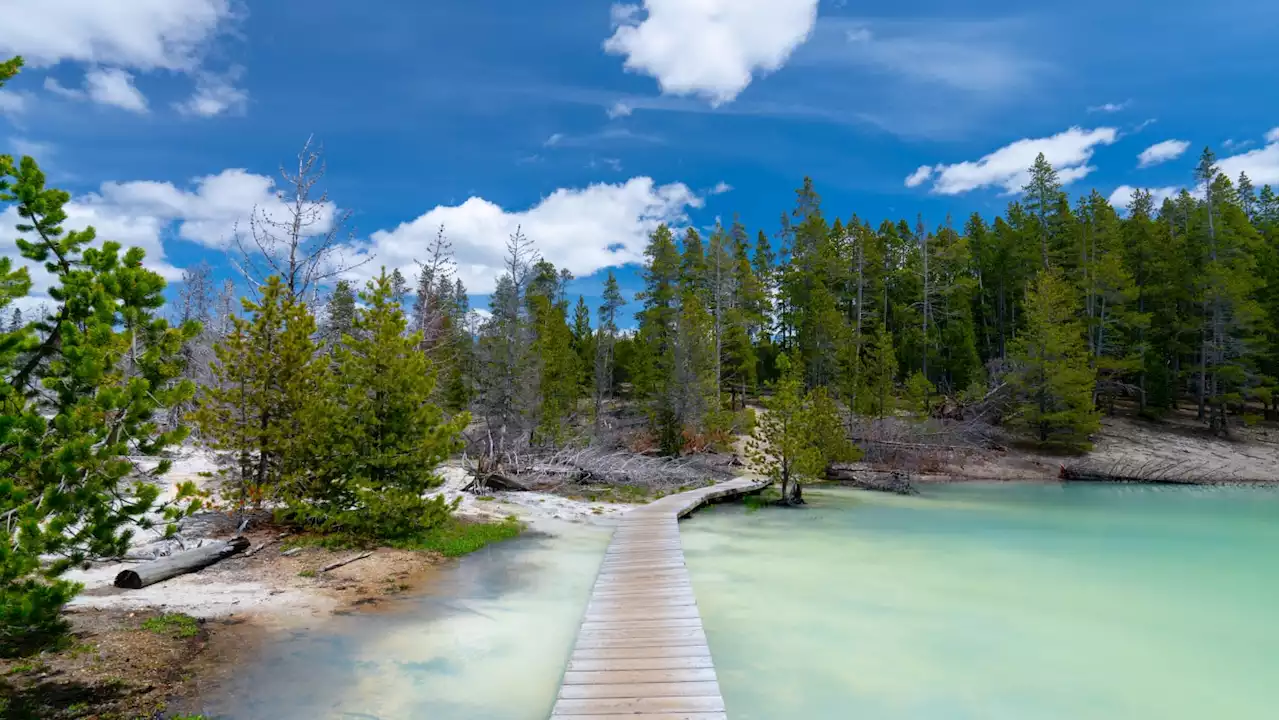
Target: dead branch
[{"x": 348, "y": 561}]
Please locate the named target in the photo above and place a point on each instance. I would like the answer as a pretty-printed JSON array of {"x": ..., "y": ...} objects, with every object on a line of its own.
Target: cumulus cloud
[
  {"x": 1069, "y": 152},
  {"x": 142, "y": 34},
  {"x": 721, "y": 188},
  {"x": 582, "y": 230},
  {"x": 215, "y": 95},
  {"x": 922, "y": 173},
  {"x": 1121, "y": 196},
  {"x": 709, "y": 48},
  {"x": 1259, "y": 164},
  {"x": 113, "y": 86},
  {"x": 146, "y": 214},
  {"x": 139, "y": 35},
  {"x": 1162, "y": 152},
  {"x": 618, "y": 109}
]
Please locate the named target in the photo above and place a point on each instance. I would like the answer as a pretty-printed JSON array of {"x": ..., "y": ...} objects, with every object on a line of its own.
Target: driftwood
[
  {"x": 1152, "y": 472},
  {"x": 150, "y": 573},
  {"x": 291, "y": 552},
  {"x": 267, "y": 543},
  {"x": 892, "y": 482},
  {"x": 494, "y": 481},
  {"x": 340, "y": 563}
]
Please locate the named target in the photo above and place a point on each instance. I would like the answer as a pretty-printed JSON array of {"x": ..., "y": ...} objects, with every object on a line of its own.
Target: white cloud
[
  {"x": 141, "y": 34},
  {"x": 922, "y": 173},
  {"x": 138, "y": 35},
  {"x": 553, "y": 140},
  {"x": 975, "y": 57},
  {"x": 1261, "y": 164},
  {"x": 34, "y": 148},
  {"x": 107, "y": 86},
  {"x": 1121, "y": 196},
  {"x": 721, "y": 188},
  {"x": 619, "y": 109},
  {"x": 57, "y": 88},
  {"x": 12, "y": 102},
  {"x": 113, "y": 86},
  {"x": 214, "y": 95},
  {"x": 147, "y": 214},
  {"x": 1162, "y": 152},
  {"x": 1069, "y": 152},
  {"x": 1110, "y": 107},
  {"x": 709, "y": 48},
  {"x": 581, "y": 229}
]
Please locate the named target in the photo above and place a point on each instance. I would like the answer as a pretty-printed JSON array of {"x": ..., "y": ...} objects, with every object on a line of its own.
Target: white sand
[{"x": 227, "y": 588}]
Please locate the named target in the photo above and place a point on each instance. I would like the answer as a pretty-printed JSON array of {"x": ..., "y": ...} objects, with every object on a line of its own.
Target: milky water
[
  {"x": 1024, "y": 602},
  {"x": 487, "y": 640}
]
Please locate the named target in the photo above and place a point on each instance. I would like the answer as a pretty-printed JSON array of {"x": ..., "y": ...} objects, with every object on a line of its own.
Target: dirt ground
[{"x": 118, "y": 666}]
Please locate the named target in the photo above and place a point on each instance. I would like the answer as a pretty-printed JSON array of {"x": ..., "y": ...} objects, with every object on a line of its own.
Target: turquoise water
[
  {"x": 487, "y": 640},
  {"x": 1024, "y": 602}
]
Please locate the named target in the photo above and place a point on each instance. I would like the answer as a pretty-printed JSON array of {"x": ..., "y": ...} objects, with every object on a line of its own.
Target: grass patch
[
  {"x": 308, "y": 573},
  {"x": 764, "y": 498},
  {"x": 454, "y": 538},
  {"x": 175, "y": 625},
  {"x": 485, "y": 498},
  {"x": 458, "y": 537}
]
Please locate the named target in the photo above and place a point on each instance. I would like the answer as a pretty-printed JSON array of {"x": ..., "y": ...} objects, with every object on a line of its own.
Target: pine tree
[
  {"x": 1228, "y": 284},
  {"x": 555, "y": 361},
  {"x": 606, "y": 339},
  {"x": 1043, "y": 192},
  {"x": 584, "y": 342},
  {"x": 507, "y": 382},
  {"x": 383, "y": 437},
  {"x": 84, "y": 388},
  {"x": 340, "y": 313},
  {"x": 655, "y": 361},
  {"x": 879, "y": 369},
  {"x": 399, "y": 287},
  {"x": 267, "y": 378},
  {"x": 1112, "y": 321},
  {"x": 799, "y": 435},
  {"x": 782, "y": 448},
  {"x": 1051, "y": 367}
]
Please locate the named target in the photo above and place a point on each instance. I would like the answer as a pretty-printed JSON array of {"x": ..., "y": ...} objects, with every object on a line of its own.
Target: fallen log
[
  {"x": 150, "y": 573},
  {"x": 340, "y": 563},
  {"x": 893, "y": 482},
  {"x": 493, "y": 481}
]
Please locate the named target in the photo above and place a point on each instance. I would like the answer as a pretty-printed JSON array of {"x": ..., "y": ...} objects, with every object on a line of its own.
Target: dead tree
[{"x": 300, "y": 242}]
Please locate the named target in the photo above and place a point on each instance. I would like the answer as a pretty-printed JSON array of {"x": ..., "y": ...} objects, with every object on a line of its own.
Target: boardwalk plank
[{"x": 641, "y": 650}]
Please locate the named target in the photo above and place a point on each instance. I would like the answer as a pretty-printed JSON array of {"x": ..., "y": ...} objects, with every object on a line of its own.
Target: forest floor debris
[{"x": 1124, "y": 444}]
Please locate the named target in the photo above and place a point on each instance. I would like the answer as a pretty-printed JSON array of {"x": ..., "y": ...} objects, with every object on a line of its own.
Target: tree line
[{"x": 1070, "y": 308}]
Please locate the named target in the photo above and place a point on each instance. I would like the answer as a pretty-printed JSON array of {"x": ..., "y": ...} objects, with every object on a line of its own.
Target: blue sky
[{"x": 588, "y": 123}]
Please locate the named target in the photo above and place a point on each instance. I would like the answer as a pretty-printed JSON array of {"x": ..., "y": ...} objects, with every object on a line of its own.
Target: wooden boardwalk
[{"x": 641, "y": 650}]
